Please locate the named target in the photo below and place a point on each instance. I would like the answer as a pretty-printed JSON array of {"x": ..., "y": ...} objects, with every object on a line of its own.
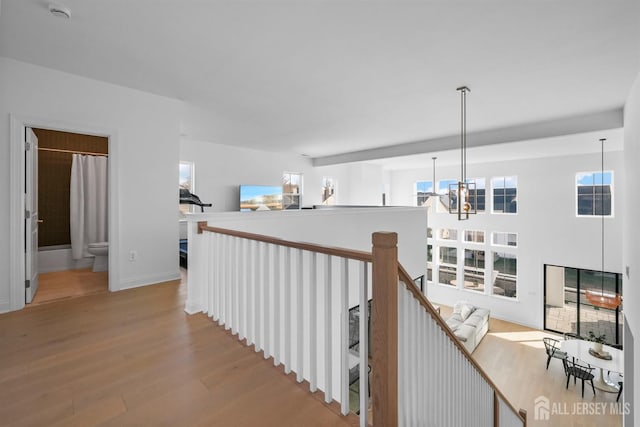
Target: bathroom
[{"x": 72, "y": 208}]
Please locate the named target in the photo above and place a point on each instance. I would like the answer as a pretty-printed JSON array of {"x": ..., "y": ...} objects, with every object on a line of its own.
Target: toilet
[{"x": 100, "y": 250}]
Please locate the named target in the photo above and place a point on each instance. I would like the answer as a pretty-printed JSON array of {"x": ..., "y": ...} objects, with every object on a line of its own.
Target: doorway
[
  {"x": 18, "y": 185},
  {"x": 65, "y": 272}
]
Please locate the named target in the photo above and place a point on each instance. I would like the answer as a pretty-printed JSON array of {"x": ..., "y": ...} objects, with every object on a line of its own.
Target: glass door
[{"x": 567, "y": 310}]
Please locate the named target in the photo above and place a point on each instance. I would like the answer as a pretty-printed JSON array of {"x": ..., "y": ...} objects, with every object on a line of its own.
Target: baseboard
[
  {"x": 5, "y": 306},
  {"x": 152, "y": 279},
  {"x": 193, "y": 308}
]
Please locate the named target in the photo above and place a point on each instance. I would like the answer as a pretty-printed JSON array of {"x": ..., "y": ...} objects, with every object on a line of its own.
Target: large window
[
  {"x": 505, "y": 194},
  {"x": 594, "y": 193},
  {"x": 448, "y": 234},
  {"x": 185, "y": 180},
  {"x": 566, "y": 309},
  {"x": 505, "y": 239},
  {"x": 450, "y": 199},
  {"x": 478, "y": 198},
  {"x": 474, "y": 270},
  {"x": 505, "y": 274},
  {"x": 474, "y": 236},
  {"x": 448, "y": 265},
  {"x": 291, "y": 190},
  {"x": 423, "y": 190}
]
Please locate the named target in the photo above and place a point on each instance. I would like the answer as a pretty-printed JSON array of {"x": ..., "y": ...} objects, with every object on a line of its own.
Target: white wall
[
  {"x": 221, "y": 169},
  {"x": 349, "y": 228},
  {"x": 145, "y": 131},
  {"x": 546, "y": 224},
  {"x": 631, "y": 245}
]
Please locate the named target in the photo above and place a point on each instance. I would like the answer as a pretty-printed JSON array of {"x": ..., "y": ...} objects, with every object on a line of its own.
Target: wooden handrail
[
  {"x": 339, "y": 252},
  {"x": 406, "y": 279}
]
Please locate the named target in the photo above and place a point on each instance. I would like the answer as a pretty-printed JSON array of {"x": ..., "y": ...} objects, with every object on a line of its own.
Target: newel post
[{"x": 384, "y": 319}]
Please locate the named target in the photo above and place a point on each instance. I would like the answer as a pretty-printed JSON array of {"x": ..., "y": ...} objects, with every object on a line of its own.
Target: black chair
[
  {"x": 618, "y": 379},
  {"x": 619, "y": 391},
  {"x": 581, "y": 372},
  {"x": 552, "y": 348}
]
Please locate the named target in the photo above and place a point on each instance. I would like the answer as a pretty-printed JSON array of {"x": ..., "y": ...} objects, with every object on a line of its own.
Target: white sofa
[{"x": 469, "y": 324}]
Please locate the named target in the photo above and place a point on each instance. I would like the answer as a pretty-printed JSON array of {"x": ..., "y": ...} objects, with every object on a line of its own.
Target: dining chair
[
  {"x": 619, "y": 391},
  {"x": 617, "y": 379},
  {"x": 581, "y": 372},
  {"x": 552, "y": 347}
]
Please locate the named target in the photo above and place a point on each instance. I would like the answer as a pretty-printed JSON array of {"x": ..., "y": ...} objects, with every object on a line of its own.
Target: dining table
[{"x": 579, "y": 349}]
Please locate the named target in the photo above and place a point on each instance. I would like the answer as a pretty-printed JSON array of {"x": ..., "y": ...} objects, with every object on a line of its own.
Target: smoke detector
[{"x": 59, "y": 11}]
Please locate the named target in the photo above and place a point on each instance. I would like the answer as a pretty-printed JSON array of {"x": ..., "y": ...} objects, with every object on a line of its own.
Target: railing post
[
  {"x": 385, "y": 329},
  {"x": 523, "y": 414}
]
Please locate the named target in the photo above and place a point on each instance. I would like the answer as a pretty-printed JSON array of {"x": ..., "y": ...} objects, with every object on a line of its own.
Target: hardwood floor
[
  {"x": 59, "y": 285},
  {"x": 135, "y": 358},
  {"x": 515, "y": 359}
]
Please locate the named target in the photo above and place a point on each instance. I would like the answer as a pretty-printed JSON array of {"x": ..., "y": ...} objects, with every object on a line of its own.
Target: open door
[{"x": 31, "y": 215}]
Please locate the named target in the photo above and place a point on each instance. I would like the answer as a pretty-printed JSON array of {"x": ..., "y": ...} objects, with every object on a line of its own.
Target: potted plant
[{"x": 598, "y": 340}]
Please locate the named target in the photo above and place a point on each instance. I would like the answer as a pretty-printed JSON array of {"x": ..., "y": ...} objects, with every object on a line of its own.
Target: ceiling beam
[{"x": 609, "y": 119}]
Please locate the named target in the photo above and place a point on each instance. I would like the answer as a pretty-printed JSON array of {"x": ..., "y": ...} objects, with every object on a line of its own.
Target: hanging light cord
[
  {"x": 602, "y": 210},
  {"x": 463, "y": 133}
]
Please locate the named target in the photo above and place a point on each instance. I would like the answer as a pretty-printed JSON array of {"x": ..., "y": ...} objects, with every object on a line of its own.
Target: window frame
[
  {"x": 297, "y": 196},
  {"x": 493, "y": 265},
  {"x": 416, "y": 192},
  {"x": 504, "y": 195},
  {"x": 187, "y": 208},
  {"x": 611, "y": 186}
]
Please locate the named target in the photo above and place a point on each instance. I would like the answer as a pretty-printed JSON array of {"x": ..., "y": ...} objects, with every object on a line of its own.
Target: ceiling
[{"x": 324, "y": 78}]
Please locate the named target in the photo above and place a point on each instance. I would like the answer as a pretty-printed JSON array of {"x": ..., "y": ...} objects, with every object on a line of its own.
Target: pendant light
[
  {"x": 598, "y": 297},
  {"x": 462, "y": 193}
]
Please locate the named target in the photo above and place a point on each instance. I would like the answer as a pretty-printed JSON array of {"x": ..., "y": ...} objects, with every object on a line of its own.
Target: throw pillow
[
  {"x": 463, "y": 308},
  {"x": 466, "y": 311}
]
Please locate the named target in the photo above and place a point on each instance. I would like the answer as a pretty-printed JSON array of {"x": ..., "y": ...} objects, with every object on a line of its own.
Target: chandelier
[{"x": 462, "y": 196}]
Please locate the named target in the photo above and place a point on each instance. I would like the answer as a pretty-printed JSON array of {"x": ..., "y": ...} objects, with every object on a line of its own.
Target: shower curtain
[{"x": 88, "y": 203}]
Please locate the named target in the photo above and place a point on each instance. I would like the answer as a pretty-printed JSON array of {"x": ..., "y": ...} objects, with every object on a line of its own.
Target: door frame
[{"x": 17, "y": 126}]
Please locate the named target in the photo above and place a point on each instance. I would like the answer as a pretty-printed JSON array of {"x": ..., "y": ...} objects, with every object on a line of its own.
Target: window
[
  {"x": 328, "y": 190},
  {"x": 423, "y": 190},
  {"x": 448, "y": 234},
  {"x": 594, "y": 193},
  {"x": 474, "y": 236},
  {"x": 474, "y": 270},
  {"x": 429, "y": 262},
  {"x": 505, "y": 239},
  {"x": 448, "y": 265},
  {"x": 505, "y": 272},
  {"x": 185, "y": 180},
  {"x": 505, "y": 192},
  {"x": 568, "y": 310},
  {"x": 291, "y": 190},
  {"x": 429, "y": 232},
  {"x": 450, "y": 200},
  {"x": 478, "y": 199}
]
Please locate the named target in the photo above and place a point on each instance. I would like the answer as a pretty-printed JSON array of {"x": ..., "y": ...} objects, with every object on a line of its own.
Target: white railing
[
  {"x": 437, "y": 385},
  {"x": 291, "y": 302},
  {"x": 438, "y": 381}
]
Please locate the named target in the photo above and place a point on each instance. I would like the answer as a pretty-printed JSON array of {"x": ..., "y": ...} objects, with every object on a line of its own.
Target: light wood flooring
[
  {"x": 134, "y": 358},
  {"x": 515, "y": 359},
  {"x": 59, "y": 285}
]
